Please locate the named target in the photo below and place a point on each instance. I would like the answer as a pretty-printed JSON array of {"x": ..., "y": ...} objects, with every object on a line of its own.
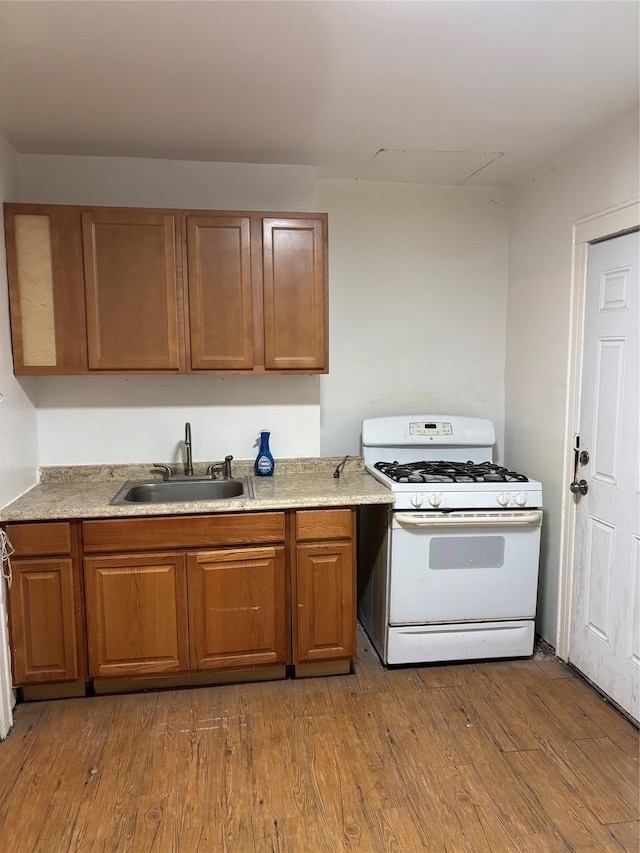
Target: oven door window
[{"x": 466, "y": 552}]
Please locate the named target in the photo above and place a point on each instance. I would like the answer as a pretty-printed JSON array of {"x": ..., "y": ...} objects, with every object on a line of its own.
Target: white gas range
[{"x": 450, "y": 571}]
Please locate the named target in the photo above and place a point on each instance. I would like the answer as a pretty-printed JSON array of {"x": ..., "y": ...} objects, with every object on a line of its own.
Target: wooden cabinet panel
[
  {"x": 237, "y": 608},
  {"x": 43, "y": 626},
  {"x": 295, "y": 295},
  {"x": 33, "y": 539},
  {"x": 136, "y": 614},
  {"x": 325, "y": 618},
  {"x": 219, "y": 288},
  {"x": 46, "y": 289},
  {"x": 133, "y": 291},
  {"x": 323, "y": 524},
  {"x": 189, "y": 531},
  {"x": 100, "y": 289}
]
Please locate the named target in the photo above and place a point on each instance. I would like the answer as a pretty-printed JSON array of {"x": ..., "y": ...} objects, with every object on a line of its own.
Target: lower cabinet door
[
  {"x": 43, "y": 623},
  {"x": 325, "y": 620},
  {"x": 237, "y": 602},
  {"x": 136, "y": 614}
]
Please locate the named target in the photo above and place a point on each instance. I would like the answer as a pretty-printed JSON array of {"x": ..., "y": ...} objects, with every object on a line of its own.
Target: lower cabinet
[
  {"x": 182, "y": 596},
  {"x": 324, "y": 625},
  {"x": 237, "y": 613},
  {"x": 45, "y": 605},
  {"x": 153, "y": 613},
  {"x": 43, "y": 625},
  {"x": 136, "y": 614}
]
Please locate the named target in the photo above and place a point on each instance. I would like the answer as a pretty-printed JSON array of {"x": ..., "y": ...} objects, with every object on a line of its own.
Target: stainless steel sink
[{"x": 183, "y": 490}]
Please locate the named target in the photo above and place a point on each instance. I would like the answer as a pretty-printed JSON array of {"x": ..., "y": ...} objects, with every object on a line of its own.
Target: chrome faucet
[{"x": 188, "y": 468}]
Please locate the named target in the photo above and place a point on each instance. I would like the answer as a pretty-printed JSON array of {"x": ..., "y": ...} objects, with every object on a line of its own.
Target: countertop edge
[{"x": 85, "y": 500}]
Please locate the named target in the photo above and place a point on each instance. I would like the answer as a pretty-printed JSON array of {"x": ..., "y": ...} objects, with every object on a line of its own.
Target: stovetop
[
  {"x": 444, "y": 471},
  {"x": 443, "y": 462},
  {"x": 483, "y": 486}
]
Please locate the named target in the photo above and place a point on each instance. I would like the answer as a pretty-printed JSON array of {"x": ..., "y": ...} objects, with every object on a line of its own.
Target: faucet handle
[
  {"x": 227, "y": 467},
  {"x": 166, "y": 470},
  {"x": 226, "y": 464}
]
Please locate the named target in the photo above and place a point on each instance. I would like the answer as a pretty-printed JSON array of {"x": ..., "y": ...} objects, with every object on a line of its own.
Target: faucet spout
[{"x": 188, "y": 468}]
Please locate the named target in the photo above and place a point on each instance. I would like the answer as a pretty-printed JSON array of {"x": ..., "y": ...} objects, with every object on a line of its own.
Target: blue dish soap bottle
[{"x": 264, "y": 464}]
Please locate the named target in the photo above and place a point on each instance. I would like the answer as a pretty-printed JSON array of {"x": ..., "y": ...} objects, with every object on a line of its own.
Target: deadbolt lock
[{"x": 584, "y": 457}]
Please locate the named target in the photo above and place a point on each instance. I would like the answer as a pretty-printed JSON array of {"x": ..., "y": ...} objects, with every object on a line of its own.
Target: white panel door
[{"x": 605, "y": 618}]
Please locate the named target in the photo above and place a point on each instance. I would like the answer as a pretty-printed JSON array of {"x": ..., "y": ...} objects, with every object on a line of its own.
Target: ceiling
[{"x": 430, "y": 91}]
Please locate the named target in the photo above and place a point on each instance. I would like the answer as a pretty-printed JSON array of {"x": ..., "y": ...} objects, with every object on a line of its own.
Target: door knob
[{"x": 579, "y": 487}]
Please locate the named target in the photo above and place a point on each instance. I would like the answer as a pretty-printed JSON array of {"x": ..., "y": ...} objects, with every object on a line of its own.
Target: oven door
[{"x": 463, "y": 566}]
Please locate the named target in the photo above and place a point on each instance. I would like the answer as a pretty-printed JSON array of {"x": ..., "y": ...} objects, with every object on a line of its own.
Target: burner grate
[{"x": 449, "y": 472}]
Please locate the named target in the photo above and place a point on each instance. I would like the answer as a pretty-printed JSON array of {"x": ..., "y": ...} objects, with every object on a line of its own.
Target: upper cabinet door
[
  {"x": 46, "y": 289},
  {"x": 219, "y": 292},
  {"x": 295, "y": 294},
  {"x": 133, "y": 293}
]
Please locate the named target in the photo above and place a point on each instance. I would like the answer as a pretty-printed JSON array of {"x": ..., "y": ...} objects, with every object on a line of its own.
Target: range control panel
[{"x": 430, "y": 429}]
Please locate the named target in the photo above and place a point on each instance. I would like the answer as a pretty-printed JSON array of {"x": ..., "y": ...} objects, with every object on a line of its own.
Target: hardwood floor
[{"x": 504, "y": 756}]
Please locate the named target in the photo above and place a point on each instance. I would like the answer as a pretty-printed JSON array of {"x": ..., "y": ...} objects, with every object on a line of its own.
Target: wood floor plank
[
  {"x": 438, "y": 675},
  {"x": 553, "y": 668},
  {"x": 527, "y": 693},
  {"x": 589, "y": 703},
  {"x": 495, "y": 757},
  {"x": 294, "y": 835},
  {"x": 349, "y": 819},
  {"x": 502, "y": 713},
  {"x": 620, "y": 771},
  {"x": 459, "y": 730},
  {"x": 565, "y": 810},
  {"x": 627, "y": 835},
  {"x": 542, "y": 842},
  {"x": 394, "y": 830},
  {"x": 591, "y": 785},
  {"x": 497, "y": 784}
]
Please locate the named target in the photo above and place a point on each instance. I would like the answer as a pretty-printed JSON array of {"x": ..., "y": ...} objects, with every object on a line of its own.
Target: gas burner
[{"x": 449, "y": 472}]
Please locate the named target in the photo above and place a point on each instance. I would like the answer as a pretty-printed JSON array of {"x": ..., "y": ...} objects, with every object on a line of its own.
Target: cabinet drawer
[
  {"x": 324, "y": 524},
  {"x": 31, "y": 540},
  {"x": 140, "y": 534}
]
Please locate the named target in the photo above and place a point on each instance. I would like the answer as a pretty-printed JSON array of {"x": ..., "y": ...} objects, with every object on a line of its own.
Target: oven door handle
[{"x": 493, "y": 519}]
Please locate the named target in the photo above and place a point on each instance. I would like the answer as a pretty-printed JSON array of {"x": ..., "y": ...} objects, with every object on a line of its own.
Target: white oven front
[{"x": 463, "y": 566}]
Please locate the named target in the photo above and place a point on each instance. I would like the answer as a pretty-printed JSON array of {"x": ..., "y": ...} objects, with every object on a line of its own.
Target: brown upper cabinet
[
  {"x": 128, "y": 290},
  {"x": 132, "y": 290},
  {"x": 220, "y": 294}
]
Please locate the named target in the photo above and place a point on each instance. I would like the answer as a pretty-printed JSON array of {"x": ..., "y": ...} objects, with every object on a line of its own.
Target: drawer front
[
  {"x": 32, "y": 540},
  {"x": 323, "y": 524},
  {"x": 197, "y": 531}
]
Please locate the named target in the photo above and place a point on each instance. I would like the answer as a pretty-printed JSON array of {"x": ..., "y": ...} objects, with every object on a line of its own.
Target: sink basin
[{"x": 172, "y": 491}]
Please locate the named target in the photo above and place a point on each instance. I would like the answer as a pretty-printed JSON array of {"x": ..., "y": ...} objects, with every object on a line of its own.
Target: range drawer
[
  {"x": 196, "y": 531},
  {"x": 40, "y": 539}
]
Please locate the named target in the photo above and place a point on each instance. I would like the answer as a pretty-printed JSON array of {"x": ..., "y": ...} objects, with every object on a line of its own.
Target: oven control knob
[
  {"x": 521, "y": 499},
  {"x": 503, "y": 499},
  {"x": 416, "y": 500},
  {"x": 435, "y": 500}
]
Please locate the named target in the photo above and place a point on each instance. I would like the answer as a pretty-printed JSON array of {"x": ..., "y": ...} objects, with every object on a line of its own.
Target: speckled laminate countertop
[{"x": 85, "y": 492}]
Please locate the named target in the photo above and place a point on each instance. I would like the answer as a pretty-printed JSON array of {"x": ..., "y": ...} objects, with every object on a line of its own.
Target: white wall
[
  {"x": 18, "y": 443},
  {"x": 18, "y": 439},
  {"x": 116, "y": 419},
  {"x": 417, "y": 304},
  {"x": 106, "y": 419},
  {"x": 601, "y": 173}
]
